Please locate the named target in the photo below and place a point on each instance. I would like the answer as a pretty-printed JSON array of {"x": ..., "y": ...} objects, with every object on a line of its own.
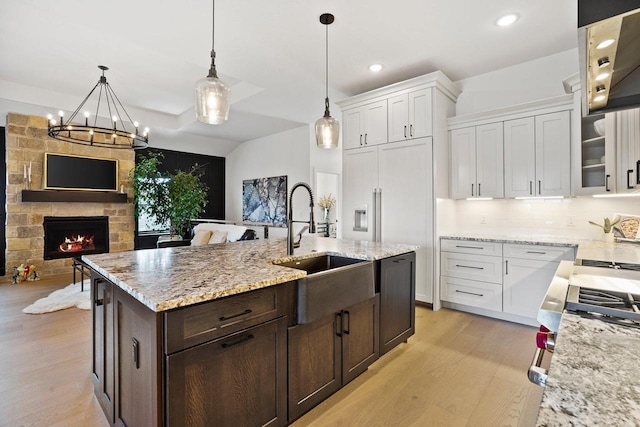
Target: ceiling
[{"x": 271, "y": 52}]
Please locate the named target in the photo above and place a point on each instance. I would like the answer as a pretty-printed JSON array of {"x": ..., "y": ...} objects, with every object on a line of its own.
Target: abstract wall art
[{"x": 265, "y": 200}]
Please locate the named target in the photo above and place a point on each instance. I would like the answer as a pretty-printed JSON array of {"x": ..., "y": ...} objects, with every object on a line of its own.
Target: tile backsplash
[{"x": 546, "y": 217}]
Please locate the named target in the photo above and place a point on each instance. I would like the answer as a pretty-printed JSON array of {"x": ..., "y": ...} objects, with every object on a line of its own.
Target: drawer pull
[
  {"x": 238, "y": 341},
  {"x": 135, "y": 352},
  {"x": 469, "y": 266},
  {"x": 399, "y": 260},
  {"x": 469, "y": 247},
  {"x": 233, "y": 316},
  {"x": 537, "y": 252},
  {"x": 469, "y": 293}
]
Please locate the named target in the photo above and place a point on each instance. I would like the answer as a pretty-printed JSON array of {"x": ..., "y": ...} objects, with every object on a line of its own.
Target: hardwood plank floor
[{"x": 458, "y": 370}]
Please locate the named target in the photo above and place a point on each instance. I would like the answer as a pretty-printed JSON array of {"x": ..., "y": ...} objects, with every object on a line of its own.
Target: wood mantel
[{"x": 73, "y": 196}]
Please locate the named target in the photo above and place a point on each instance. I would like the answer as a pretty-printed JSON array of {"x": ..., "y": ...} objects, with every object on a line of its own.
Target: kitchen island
[{"x": 210, "y": 335}]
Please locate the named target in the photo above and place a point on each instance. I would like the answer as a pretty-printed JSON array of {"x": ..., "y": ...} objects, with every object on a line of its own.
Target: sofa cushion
[
  {"x": 218, "y": 237},
  {"x": 201, "y": 237},
  {"x": 234, "y": 232}
]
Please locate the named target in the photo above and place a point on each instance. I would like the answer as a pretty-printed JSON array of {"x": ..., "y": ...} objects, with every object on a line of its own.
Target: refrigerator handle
[
  {"x": 374, "y": 214},
  {"x": 378, "y": 232}
]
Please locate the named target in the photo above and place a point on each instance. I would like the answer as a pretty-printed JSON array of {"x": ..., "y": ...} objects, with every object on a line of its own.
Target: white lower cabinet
[{"x": 509, "y": 285}]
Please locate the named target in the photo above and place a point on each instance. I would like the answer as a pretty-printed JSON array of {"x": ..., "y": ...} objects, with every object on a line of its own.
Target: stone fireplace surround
[{"x": 27, "y": 141}]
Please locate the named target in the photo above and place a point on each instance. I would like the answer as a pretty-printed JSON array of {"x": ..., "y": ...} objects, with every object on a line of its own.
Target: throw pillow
[
  {"x": 218, "y": 237},
  {"x": 201, "y": 238}
]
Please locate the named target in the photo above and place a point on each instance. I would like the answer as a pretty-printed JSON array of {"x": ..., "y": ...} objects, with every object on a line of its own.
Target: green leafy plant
[
  {"x": 608, "y": 224},
  {"x": 168, "y": 198}
]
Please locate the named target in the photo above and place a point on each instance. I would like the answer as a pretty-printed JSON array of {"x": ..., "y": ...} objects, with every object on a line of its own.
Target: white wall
[
  {"x": 529, "y": 81},
  {"x": 285, "y": 153},
  {"x": 550, "y": 217}
]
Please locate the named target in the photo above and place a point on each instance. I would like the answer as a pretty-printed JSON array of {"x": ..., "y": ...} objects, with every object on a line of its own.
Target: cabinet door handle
[
  {"x": 240, "y": 340},
  {"x": 638, "y": 172},
  {"x": 540, "y": 187},
  {"x": 606, "y": 182},
  {"x": 410, "y": 130},
  {"x": 405, "y": 131},
  {"x": 233, "y": 316},
  {"x": 469, "y": 293},
  {"x": 365, "y": 139},
  {"x": 506, "y": 267},
  {"x": 531, "y": 188},
  {"x": 338, "y": 324},
  {"x": 479, "y": 192},
  {"x": 469, "y": 266},
  {"x": 347, "y": 315},
  {"x": 360, "y": 139},
  {"x": 99, "y": 302},
  {"x": 134, "y": 350},
  {"x": 471, "y": 190},
  {"x": 629, "y": 186}
]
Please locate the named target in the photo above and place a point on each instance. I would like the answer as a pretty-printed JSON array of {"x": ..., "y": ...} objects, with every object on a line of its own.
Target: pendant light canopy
[
  {"x": 212, "y": 94},
  {"x": 327, "y": 128}
]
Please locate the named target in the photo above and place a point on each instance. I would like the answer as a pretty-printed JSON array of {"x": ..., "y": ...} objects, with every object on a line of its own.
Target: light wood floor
[{"x": 458, "y": 370}]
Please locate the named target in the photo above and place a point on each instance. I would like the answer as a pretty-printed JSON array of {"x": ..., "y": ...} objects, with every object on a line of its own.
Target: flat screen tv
[{"x": 68, "y": 172}]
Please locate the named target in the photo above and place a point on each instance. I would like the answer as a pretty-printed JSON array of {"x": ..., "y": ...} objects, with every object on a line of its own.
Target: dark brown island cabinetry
[{"x": 240, "y": 360}]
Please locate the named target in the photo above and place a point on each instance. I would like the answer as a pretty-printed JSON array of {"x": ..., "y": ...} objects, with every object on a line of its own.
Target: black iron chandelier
[{"x": 120, "y": 134}]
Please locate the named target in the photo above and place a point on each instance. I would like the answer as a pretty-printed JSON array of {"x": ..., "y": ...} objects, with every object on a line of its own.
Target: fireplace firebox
[{"x": 73, "y": 236}]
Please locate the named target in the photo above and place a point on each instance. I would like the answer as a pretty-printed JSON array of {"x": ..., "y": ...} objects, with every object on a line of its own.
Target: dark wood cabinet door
[
  {"x": 102, "y": 352},
  {"x": 138, "y": 400},
  {"x": 360, "y": 334},
  {"x": 314, "y": 363},
  {"x": 397, "y": 300},
  {"x": 237, "y": 380}
]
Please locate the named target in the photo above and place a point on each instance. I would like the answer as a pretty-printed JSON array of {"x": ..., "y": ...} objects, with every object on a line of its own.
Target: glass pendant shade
[
  {"x": 212, "y": 101},
  {"x": 327, "y": 132}
]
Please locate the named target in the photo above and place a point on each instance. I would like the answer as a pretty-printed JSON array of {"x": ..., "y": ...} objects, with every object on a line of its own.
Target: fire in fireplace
[{"x": 67, "y": 237}]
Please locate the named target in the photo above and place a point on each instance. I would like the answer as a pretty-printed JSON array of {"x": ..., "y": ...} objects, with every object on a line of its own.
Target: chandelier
[{"x": 118, "y": 134}]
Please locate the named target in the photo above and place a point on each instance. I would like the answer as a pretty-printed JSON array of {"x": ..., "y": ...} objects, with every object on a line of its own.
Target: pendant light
[
  {"x": 327, "y": 128},
  {"x": 212, "y": 94}
]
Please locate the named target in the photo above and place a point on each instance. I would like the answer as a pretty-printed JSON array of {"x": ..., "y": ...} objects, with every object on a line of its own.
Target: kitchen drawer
[
  {"x": 539, "y": 252},
  {"x": 473, "y": 267},
  {"x": 189, "y": 326},
  {"x": 471, "y": 247},
  {"x": 467, "y": 292}
]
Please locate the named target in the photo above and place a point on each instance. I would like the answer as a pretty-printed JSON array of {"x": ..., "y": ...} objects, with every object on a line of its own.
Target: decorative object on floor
[
  {"x": 212, "y": 94},
  {"x": 24, "y": 272},
  {"x": 607, "y": 227},
  {"x": 327, "y": 128},
  {"x": 119, "y": 134},
  {"x": 264, "y": 200},
  {"x": 71, "y": 296},
  {"x": 172, "y": 199}
]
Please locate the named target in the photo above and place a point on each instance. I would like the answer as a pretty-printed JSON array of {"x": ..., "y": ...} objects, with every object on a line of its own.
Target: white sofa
[{"x": 233, "y": 232}]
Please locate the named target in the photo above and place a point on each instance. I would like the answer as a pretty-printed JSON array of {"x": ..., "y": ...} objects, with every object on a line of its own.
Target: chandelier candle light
[
  {"x": 327, "y": 128},
  {"x": 118, "y": 135},
  {"x": 212, "y": 94}
]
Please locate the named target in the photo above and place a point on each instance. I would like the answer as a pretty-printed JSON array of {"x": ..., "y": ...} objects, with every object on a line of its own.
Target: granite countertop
[
  {"x": 167, "y": 278},
  {"x": 593, "y": 377},
  {"x": 520, "y": 239},
  {"x": 620, "y": 252}
]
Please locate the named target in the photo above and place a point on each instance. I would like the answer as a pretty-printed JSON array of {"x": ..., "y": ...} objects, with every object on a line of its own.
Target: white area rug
[{"x": 71, "y": 296}]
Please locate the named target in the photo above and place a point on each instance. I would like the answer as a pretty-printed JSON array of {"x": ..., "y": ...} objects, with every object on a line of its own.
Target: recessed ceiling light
[
  {"x": 375, "y": 67},
  {"x": 605, "y": 43},
  {"x": 507, "y": 20},
  {"x": 602, "y": 76},
  {"x": 599, "y": 98}
]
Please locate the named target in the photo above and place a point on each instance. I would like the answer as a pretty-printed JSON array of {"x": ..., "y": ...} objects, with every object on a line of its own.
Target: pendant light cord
[
  {"x": 212, "y": 71},
  {"x": 326, "y": 72}
]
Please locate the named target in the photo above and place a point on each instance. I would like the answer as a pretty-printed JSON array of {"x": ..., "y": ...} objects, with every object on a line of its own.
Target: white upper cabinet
[
  {"x": 538, "y": 155},
  {"x": 410, "y": 115},
  {"x": 628, "y": 138},
  {"x": 365, "y": 126},
  {"x": 477, "y": 161}
]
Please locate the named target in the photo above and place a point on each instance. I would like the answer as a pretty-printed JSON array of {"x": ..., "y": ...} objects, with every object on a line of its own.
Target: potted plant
[
  {"x": 171, "y": 198},
  {"x": 607, "y": 227}
]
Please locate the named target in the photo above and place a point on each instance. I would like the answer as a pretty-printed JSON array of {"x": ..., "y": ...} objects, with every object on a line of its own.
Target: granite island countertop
[
  {"x": 593, "y": 377},
  {"x": 167, "y": 278},
  {"x": 519, "y": 239}
]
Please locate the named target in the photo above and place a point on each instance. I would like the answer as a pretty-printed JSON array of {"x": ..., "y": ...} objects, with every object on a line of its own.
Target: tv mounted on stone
[{"x": 69, "y": 172}]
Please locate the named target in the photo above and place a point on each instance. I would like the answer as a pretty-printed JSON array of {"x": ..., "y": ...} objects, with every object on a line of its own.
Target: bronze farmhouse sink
[{"x": 332, "y": 284}]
